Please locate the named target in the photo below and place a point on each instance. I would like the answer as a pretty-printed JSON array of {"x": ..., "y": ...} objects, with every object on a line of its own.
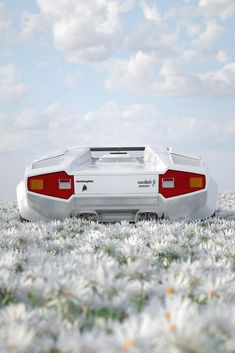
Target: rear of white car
[{"x": 114, "y": 184}]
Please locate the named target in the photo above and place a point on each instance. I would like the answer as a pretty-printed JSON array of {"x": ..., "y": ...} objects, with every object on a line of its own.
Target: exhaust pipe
[
  {"x": 152, "y": 216},
  {"x": 92, "y": 217},
  {"x": 142, "y": 216},
  {"x": 82, "y": 216}
]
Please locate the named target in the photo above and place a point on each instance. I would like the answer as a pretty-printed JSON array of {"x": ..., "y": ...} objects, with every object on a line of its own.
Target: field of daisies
[{"x": 80, "y": 287}]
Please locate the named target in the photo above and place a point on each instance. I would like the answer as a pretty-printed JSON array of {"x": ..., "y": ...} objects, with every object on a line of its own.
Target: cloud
[
  {"x": 220, "y": 82},
  {"x": 30, "y": 119},
  {"x": 5, "y": 121},
  {"x": 116, "y": 124},
  {"x": 86, "y": 30},
  {"x": 230, "y": 127},
  {"x": 6, "y": 32},
  {"x": 206, "y": 38},
  {"x": 222, "y": 57},
  {"x": 52, "y": 117},
  {"x": 31, "y": 23},
  {"x": 169, "y": 54},
  {"x": 5, "y": 54},
  {"x": 166, "y": 53},
  {"x": 11, "y": 87},
  {"x": 112, "y": 124},
  {"x": 35, "y": 131},
  {"x": 219, "y": 8},
  {"x": 149, "y": 38},
  {"x": 135, "y": 74},
  {"x": 4, "y": 19},
  {"x": 151, "y": 13},
  {"x": 157, "y": 32},
  {"x": 143, "y": 74}
]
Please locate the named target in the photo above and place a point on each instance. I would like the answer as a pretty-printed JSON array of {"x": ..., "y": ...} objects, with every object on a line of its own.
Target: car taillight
[
  {"x": 58, "y": 184},
  {"x": 175, "y": 183}
]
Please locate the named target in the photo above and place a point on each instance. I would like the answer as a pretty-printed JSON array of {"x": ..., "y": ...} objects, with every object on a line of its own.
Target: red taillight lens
[
  {"x": 58, "y": 184},
  {"x": 175, "y": 183}
]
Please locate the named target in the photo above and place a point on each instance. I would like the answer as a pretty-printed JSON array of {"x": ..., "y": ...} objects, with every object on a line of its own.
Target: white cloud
[
  {"x": 208, "y": 36},
  {"x": 164, "y": 61},
  {"x": 220, "y": 82},
  {"x": 134, "y": 74},
  {"x": 4, "y": 19},
  {"x": 52, "y": 117},
  {"x": 11, "y": 142},
  {"x": 197, "y": 132},
  {"x": 5, "y": 54},
  {"x": 30, "y": 118},
  {"x": 122, "y": 125},
  {"x": 174, "y": 80},
  {"x": 188, "y": 54},
  {"x": 86, "y": 30},
  {"x": 221, "y": 8},
  {"x": 143, "y": 74},
  {"x": 161, "y": 47},
  {"x": 5, "y": 121},
  {"x": 149, "y": 38},
  {"x": 222, "y": 57},
  {"x": 56, "y": 127},
  {"x": 6, "y": 33},
  {"x": 230, "y": 127},
  {"x": 155, "y": 33},
  {"x": 193, "y": 28},
  {"x": 11, "y": 87},
  {"x": 151, "y": 13},
  {"x": 30, "y": 24}
]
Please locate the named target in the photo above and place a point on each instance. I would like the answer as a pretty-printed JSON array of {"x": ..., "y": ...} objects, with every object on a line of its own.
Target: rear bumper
[
  {"x": 197, "y": 205},
  {"x": 34, "y": 207}
]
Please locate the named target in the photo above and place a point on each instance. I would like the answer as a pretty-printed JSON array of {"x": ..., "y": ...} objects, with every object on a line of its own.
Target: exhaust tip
[
  {"x": 142, "y": 216},
  {"x": 152, "y": 216},
  {"x": 82, "y": 216},
  {"x": 92, "y": 217},
  {"x": 88, "y": 217}
]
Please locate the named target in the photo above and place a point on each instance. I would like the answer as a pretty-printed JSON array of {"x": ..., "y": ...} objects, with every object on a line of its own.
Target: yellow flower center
[
  {"x": 212, "y": 293},
  {"x": 128, "y": 344},
  {"x": 171, "y": 328},
  {"x": 67, "y": 293},
  {"x": 167, "y": 315},
  {"x": 170, "y": 290}
]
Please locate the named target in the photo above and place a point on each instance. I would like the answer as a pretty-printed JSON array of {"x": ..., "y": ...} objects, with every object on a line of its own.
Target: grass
[{"x": 76, "y": 286}]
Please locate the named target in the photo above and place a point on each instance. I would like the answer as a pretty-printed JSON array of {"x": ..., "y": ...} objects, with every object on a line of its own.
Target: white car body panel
[{"x": 115, "y": 184}]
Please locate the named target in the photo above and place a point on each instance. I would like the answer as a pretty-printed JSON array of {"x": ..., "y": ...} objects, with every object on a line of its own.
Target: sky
[{"x": 117, "y": 72}]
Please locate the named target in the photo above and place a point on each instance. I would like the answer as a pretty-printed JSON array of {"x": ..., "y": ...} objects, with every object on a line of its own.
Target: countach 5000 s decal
[{"x": 146, "y": 183}]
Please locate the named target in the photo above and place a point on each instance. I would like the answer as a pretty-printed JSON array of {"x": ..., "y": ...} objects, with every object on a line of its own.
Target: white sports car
[{"x": 117, "y": 183}]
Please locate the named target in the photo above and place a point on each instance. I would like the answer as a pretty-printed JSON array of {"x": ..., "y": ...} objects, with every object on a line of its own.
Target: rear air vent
[{"x": 118, "y": 152}]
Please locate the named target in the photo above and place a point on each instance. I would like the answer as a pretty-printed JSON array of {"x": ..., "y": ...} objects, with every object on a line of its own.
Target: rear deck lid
[{"x": 116, "y": 184}]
